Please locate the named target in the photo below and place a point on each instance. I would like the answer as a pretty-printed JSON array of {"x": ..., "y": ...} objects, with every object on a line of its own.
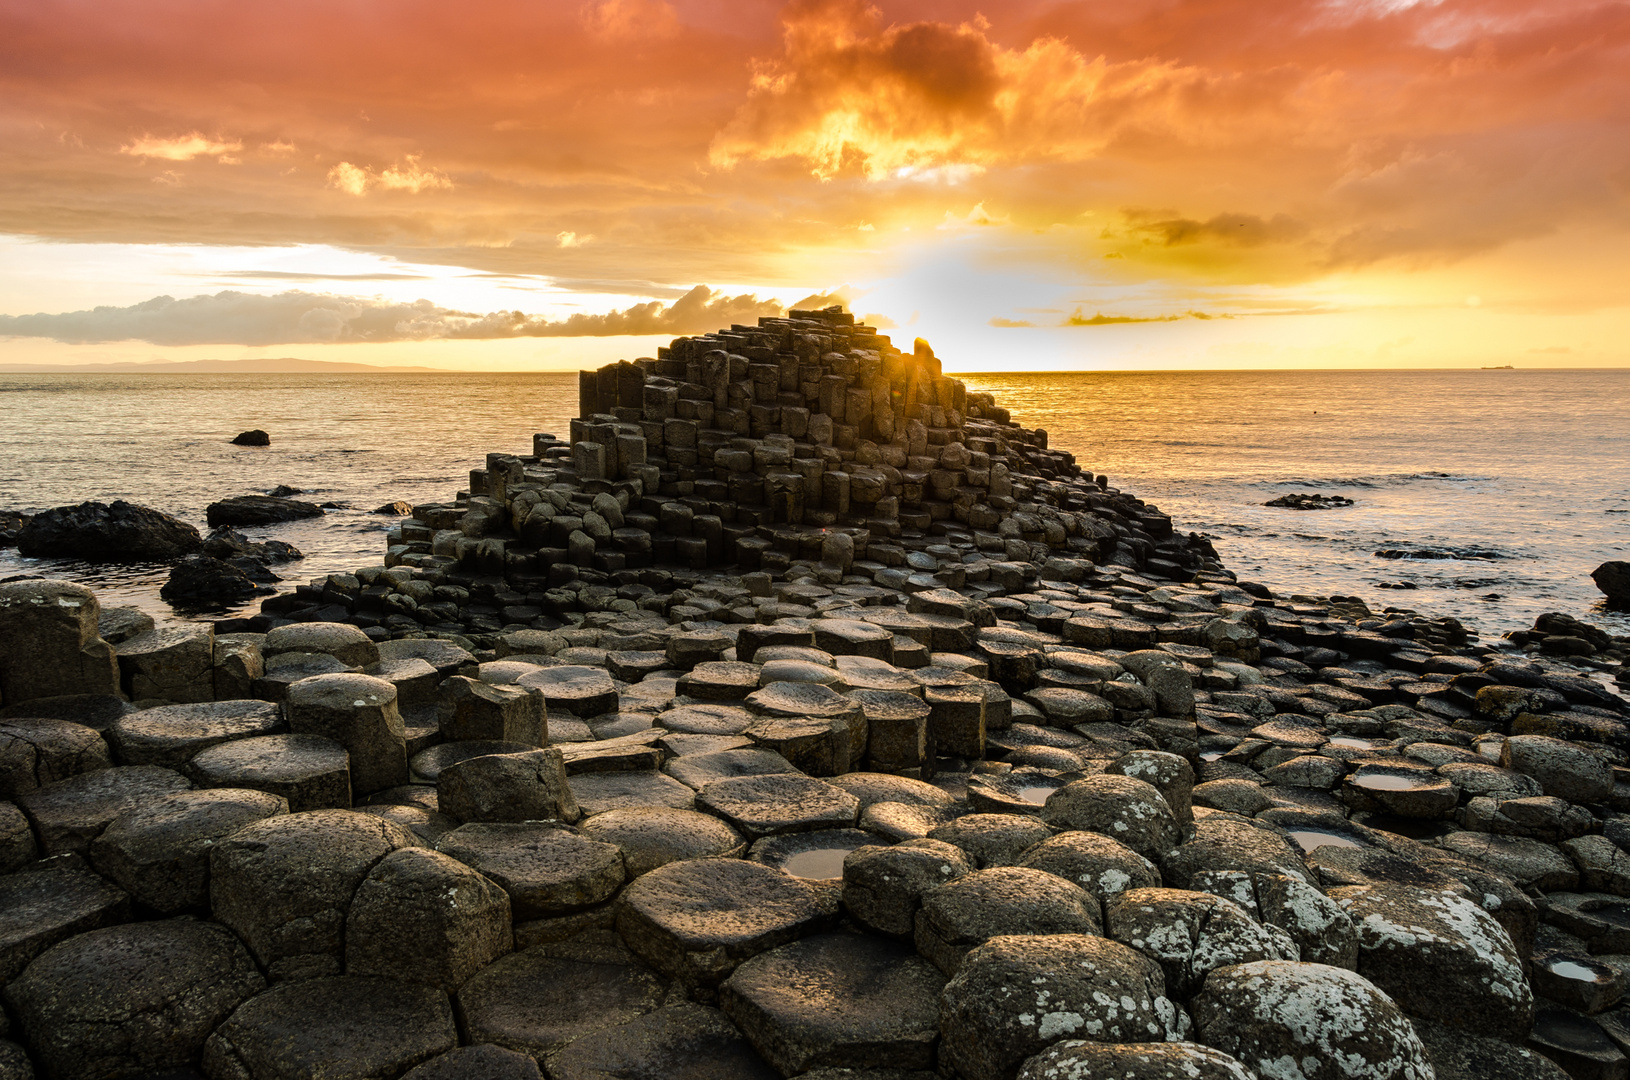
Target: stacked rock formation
[{"x": 1002, "y": 809}]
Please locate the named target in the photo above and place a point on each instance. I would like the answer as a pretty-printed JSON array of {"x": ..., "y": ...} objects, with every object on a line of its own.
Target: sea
[{"x": 1488, "y": 495}]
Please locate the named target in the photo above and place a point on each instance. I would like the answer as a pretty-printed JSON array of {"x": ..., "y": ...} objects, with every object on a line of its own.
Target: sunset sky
[{"x": 1030, "y": 185}]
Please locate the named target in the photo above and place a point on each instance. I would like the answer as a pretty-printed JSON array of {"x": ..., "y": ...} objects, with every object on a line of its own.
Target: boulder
[
  {"x": 1226, "y": 842},
  {"x": 471, "y": 709},
  {"x": 202, "y": 580},
  {"x": 838, "y": 1000},
  {"x": 1015, "y": 996},
  {"x": 883, "y": 887},
  {"x": 131, "y": 1000},
  {"x": 993, "y": 839},
  {"x": 972, "y": 909},
  {"x": 1562, "y": 768},
  {"x": 231, "y": 546},
  {"x": 171, "y": 663},
  {"x": 258, "y": 510},
  {"x": 344, "y": 1028},
  {"x": 49, "y": 643},
  {"x": 527, "y": 786},
  {"x": 1122, "y": 807},
  {"x": 541, "y": 999},
  {"x": 1296, "y": 1021},
  {"x": 286, "y": 883},
  {"x": 358, "y": 712},
  {"x": 1613, "y": 578},
  {"x": 256, "y": 437},
  {"x": 102, "y": 532},
  {"x": 1190, "y": 934},
  {"x": 1102, "y": 866},
  {"x": 424, "y": 917},
  {"x": 159, "y": 851}
]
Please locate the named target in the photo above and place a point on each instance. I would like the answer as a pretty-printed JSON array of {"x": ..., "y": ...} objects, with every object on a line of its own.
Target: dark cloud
[
  {"x": 315, "y": 318},
  {"x": 1238, "y": 230}
]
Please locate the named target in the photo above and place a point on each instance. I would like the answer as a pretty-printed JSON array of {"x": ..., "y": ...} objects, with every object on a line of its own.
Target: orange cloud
[{"x": 181, "y": 147}]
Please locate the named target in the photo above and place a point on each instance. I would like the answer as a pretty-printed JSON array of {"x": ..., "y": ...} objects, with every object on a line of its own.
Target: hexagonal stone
[
  {"x": 865, "y": 674},
  {"x": 837, "y": 1000},
  {"x": 172, "y": 663},
  {"x": 95, "y": 711},
  {"x": 529, "y": 786},
  {"x": 50, "y": 643},
  {"x": 680, "y": 1042},
  {"x": 1223, "y": 842},
  {"x": 421, "y": 916},
  {"x": 705, "y": 719},
  {"x": 344, "y": 1028},
  {"x": 872, "y": 787},
  {"x": 1272, "y": 1011},
  {"x": 127, "y": 1000},
  {"x": 653, "y": 836},
  {"x": 815, "y": 746},
  {"x": 1102, "y": 866},
  {"x": 45, "y": 904},
  {"x": 1015, "y": 996},
  {"x": 907, "y": 821},
  {"x": 483, "y": 1062},
  {"x": 993, "y": 839},
  {"x": 1133, "y": 1061},
  {"x": 345, "y": 643},
  {"x": 173, "y": 735},
  {"x": 896, "y": 728},
  {"x": 719, "y": 680},
  {"x": 286, "y": 883},
  {"x": 699, "y": 770},
  {"x": 883, "y": 887},
  {"x": 358, "y": 712},
  {"x": 1189, "y": 934},
  {"x": 159, "y": 851},
  {"x": 816, "y": 857},
  {"x": 428, "y": 825},
  {"x": 781, "y": 802},
  {"x": 428, "y": 763},
  {"x": 311, "y": 772},
  {"x": 581, "y": 691},
  {"x": 447, "y": 658},
  {"x": 1528, "y": 863},
  {"x": 539, "y": 1000},
  {"x": 972, "y": 909},
  {"x": 475, "y": 709},
  {"x": 1457, "y": 965},
  {"x": 546, "y": 870},
  {"x": 1120, "y": 807},
  {"x": 69, "y": 814},
  {"x": 598, "y": 793},
  {"x": 42, "y": 751},
  {"x": 696, "y": 920}
]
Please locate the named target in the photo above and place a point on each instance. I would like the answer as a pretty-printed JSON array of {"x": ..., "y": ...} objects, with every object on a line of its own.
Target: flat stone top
[
  {"x": 709, "y": 903},
  {"x": 314, "y": 637},
  {"x": 341, "y": 692},
  {"x": 271, "y": 758}
]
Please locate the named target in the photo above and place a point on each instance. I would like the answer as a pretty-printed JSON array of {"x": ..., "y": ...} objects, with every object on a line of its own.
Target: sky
[{"x": 1031, "y": 185}]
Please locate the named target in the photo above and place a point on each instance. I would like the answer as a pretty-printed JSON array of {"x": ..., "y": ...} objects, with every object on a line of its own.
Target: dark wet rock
[
  {"x": 200, "y": 579},
  {"x": 546, "y": 870},
  {"x": 1122, "y": 807},
  {"x": 653, "y": 836},
  {"x": 343, "y": 1028},
  {"x": 528, "y": 786},
  {"x": 358, "y": 712},
  {"x": 779, "y": 802},
  {"x": 1309, "y": 501},
  {"x": 1574, "y": 980},
  {"x": 680, "y": 1042},
  {"x": 1273, "y": 1012},
  {"x": 47, "y": 903},
  {"x": 11, "y": 523},
  {"x": 1246, "y": 798},
  {"x": 421, "y": 916},
  {"x": 17, "y": 845},
  {"x": 993, "y": 839},
  {"x": 1015, "y": 996},
  {"x": 482, "y": 1061},
  {"x": 229, "y": 545},
  {"x": 256, "y": 437},
  {"x": 309, "y": 771},
  {"x": 69, "y": 814},
  {"x": 286, "y": 883},
  {"x": 1578, "y": 1044},
  {"x": 240, "y": 510},
  {"x": 173, "y": 735},
  {"x": 1456, "y": 1054},
  {"x": 118, "y": 624},
  {"x": 1604, "y": 867},
  {"x": 841, "y": 1000},
  {"x": 36, "y": 752},
  {"x": 883, "y": 887},
  {"x": 1613, "y": 579},
  {"x": 49, "y": 645},
  {"x": 696, "y": 920},
  {"x": 1524, "y": 862},
  {"x": 1190, "y": 934},
  {"x": 394, "y": 509},
  {"x": 974, "y": 908},
  {"x": 159, "y": 850},
  {"x": 107, "y": 532},
  {"x": 131, "y": 1000},
  {"x": 1078, "y": 1060},
  {"x": 1440, "y": 956},
  {"x": 540, "y": 1000}
]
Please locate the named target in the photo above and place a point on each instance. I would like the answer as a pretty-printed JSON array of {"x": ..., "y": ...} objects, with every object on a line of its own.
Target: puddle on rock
[
  {"x": 1352, "y": 742},
  {"x": 1570, "y": 969},
  {"x": 1309, "y": 839},
  {"x": 819, "y": 863},
  {"x": 1035, "y": 793},
  {"x": 1212, "y": 755},
  {"x": 1390, "y": 782}
]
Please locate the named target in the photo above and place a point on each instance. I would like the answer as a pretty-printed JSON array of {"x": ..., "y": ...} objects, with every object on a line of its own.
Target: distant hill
[{"x": 282, "y": 365}]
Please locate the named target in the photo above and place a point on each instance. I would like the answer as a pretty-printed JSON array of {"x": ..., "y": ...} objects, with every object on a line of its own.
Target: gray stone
[
  {"x": 17, "y": 845},
  {"x": 69, "y": 814},
  {"x": 1190, "y": 934},
  {"x": 159, "y": 851},
  {"x": 1078, "y": 1060},
  {"x": 680, "y": 1042},
  {"x": 540, "y": 1000},
  {"x": 1527, "y": 863},
  {"x": 653, "y": 836},
  {"x": 780, "y": 802},
  {"x": 358, "y": 712},
  {"x": 530, "y": 786},
  {"x": 883, "y": 887},
  {"x": 597, "y": 793},
  {"x": 344, "y": 1028},
  {"x": 49, "y": 902},
  {"x": 237, "y": 664},
  {"x": 40, "y": 751},
  {"x": 1168, "y": 774},
  {"x": 546, "y": 870},
  {"x": 696, "y": 920},
  {"x": 49, "y": 643},
  {"x": 311, "y": 772},
  {"x": 1015, "y": 996},
  {"x": 1225, "y": 842},
  {"x": 172, "y": 735},
  {"x": 972, "y": 909},
  {"x": 95, "y": 711},
  {"x": 993, "y": 839},
  {"x": 172, "y": 663},
  {"x": 1562, "y": 768},
  {"x": 480, "y": 1062},
  {"x": 447, "y": 658},
  {"x": 285, "y": 885},
  {"x": 1603, "y": 866},
  {"x": 345, "y": 643},
  {"x": 1456, "y": 1054},
  {"x": 1307, "y": 1022},
  {"x": 1321, "y": 928},
  {"x": 699, "y": 770},
  {"x": 471, "y": 709},
  {"x": 421, "y": 916},
  {"x": 581, "y": 691},
  {"x": 131, "y": 1000},
  {"x": 842, "y": 1000},
  {"x": 1103, "y": 867},
  {"x": 1121, "y": 807}
]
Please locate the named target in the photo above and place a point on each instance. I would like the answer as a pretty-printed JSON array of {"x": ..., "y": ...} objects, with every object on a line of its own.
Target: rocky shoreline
[{"x": 802, "y": 715}]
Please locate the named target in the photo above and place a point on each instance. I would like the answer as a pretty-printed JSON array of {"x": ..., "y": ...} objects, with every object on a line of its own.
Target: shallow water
[
  {"x": 1311, "y": 839},
  {"x": 822, "y": 864},
  {"x": 1524, "y": 476}
]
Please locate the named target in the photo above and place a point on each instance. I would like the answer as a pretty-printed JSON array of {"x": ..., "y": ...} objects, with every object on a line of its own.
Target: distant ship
[{"x": 1500, "y": 367}]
